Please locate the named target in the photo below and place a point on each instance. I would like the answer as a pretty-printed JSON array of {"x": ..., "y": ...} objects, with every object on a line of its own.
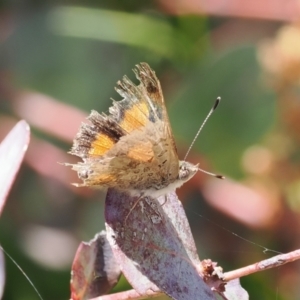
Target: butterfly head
[{"x": 186, "y": 171}]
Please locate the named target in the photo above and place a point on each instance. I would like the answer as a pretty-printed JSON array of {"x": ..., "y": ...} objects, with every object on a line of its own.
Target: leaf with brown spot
[
  {"x": 94, "y": 269},
  {"x": 155, "y": 247}
]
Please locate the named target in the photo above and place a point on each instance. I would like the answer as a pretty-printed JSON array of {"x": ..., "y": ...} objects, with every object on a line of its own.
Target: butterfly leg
[
  {"x": 133, "y": 207},
  {"x": 166, "y": 199}
]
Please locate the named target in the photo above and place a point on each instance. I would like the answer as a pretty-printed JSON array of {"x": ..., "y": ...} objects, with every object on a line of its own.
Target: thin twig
[
  {"x": 131, "y": 294},
  {"x": 269, "y": 263}
]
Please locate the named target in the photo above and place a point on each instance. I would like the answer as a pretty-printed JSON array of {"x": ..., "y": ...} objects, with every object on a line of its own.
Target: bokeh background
[{"x": 60, "y": 59}]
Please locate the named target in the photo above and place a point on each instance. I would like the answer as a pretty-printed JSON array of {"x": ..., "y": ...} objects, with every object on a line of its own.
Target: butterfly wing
[{"x": 133, "y": 146}]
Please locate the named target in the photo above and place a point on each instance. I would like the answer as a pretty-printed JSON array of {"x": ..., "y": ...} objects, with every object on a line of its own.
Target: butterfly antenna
[
  {"x": 200, "y": 129},
  {"x": 212, "y": 174},
  {"x": 16, "y": 264}
]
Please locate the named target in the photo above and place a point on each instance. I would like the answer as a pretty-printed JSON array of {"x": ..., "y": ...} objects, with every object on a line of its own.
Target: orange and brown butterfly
[{"x": 132, "y": 148}]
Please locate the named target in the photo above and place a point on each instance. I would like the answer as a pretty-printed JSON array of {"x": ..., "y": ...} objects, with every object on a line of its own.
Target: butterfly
[{"x": 132, "y": 148}]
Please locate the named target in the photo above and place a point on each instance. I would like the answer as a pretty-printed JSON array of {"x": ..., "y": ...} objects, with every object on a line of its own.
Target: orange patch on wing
[
  {"x": 142, "y": 152},
  {"x": 101, "y": 145},
  {"x": 135, "y": 117},
  {"x": 104, "y": 179}
]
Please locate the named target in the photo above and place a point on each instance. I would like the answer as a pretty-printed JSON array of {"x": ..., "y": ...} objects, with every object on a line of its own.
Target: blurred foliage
[{"x": 77, "y": 54}]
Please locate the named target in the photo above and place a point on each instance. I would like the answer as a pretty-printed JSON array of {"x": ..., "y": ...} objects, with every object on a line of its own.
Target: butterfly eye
[{"x": 183, "y": 173}]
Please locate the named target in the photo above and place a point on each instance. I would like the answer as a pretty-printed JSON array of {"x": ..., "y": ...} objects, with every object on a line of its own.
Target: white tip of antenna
[{"x": 218, "y": 100}]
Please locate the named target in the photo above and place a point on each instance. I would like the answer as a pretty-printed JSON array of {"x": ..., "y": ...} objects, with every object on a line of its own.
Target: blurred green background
[{"x": 60, "y": 59}]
